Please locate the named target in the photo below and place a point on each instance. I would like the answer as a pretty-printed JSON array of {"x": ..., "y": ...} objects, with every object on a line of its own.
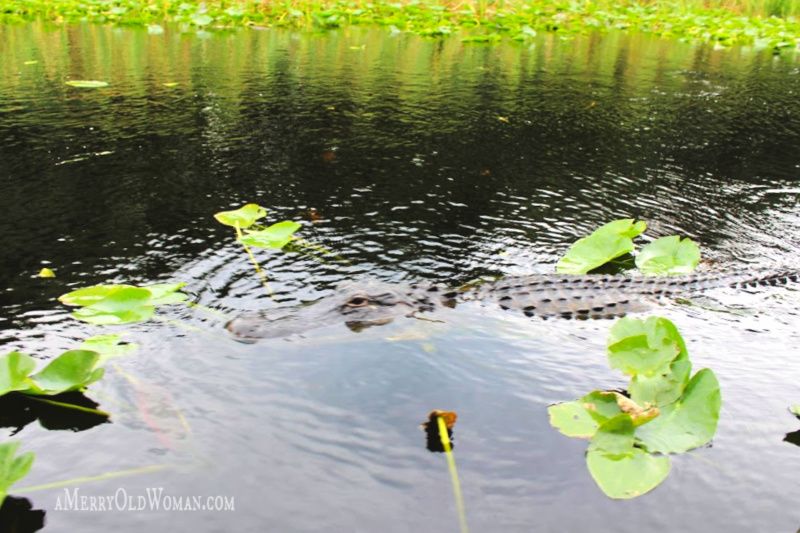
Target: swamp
[{"x": 136, "y": 160}]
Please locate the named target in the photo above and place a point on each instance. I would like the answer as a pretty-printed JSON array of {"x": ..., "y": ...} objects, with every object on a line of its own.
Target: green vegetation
[
  {"x": 763, "y": 23},
  {"x": 121, "y": 304},
  {"x": 12, "y": 468},
  {"x": 665, "y": 411},
  {"x": 663, "y": 257}
]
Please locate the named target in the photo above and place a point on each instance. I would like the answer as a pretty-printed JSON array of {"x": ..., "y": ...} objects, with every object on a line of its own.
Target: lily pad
[
  {"x": 606, "y": 243},
  {"x": 108, "y": 346},
  {"x": 89, "y": 295},
  {"x": 72, "y": 370},
  {"x": 621, "y": 470},
  {"x": 166, "y": 293},
  {"x": 46, "y": 273},
  {"x": 644, "y": 347},
  {"x": 582, "y": 417},
  {"x": 13, "y": 467},
  {"x": 87, "y": 84},
  {"x": 662, "y": 388},
  {"x": 688, "y": 423},
  {"x": 105, "y": 318},
  {"x": 15, "y": 367},
  {"x": 244, "y": 217},
  {"x": 121, "y": 304},
  {"x": 276, "y": 236},
  {"x": 668, "y": 256}
]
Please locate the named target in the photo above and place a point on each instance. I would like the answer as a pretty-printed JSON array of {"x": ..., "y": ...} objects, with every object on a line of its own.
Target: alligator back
[{"x": 606, "y": 296}]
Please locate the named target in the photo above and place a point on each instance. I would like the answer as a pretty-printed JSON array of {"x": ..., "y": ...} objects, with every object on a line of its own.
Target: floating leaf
[
  {"x": 15, "y": 367},
  {"x": 608, "y": 242},
  {"x": 121, "y": 304},
  {"x": 72, "y": 370},
  {"x": 155, "y": 29},
  {"x": 31, "y": 62},
  {"x": 90, "y": 295},
  {"x": 105, "y": 318},
  {"x": 108, "y": 346},
  {"x": 795, "y": 410},
  {"x": 166, "y": 293},
  {"x": 669, "y": 256},
  {"x": 85, "y": 84},
  {"x": 276, "y": 236},
  {"x": 46, "y": 273},
  {"x": 201, "y": 19},
  {"x": 171, "y": 84},
  {"x": 643, "y": 347},
  {"x": 245, "y": 216},
  {"x": 582, "y": 417},
  {"x": 12, "y": 468},
  {"x": 621, "y": 470},
  {"x": 689, "y": 422}
]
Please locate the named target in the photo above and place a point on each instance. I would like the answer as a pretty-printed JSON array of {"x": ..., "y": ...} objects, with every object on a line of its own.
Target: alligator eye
[{"x": 357, "y": 301}]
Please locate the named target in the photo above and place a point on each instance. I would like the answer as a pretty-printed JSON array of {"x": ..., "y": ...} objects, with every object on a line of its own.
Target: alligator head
[{"x": 358, "y": 304}]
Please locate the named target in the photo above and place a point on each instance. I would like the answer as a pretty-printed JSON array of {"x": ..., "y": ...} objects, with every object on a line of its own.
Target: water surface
[{"x": 413, "y": 160}]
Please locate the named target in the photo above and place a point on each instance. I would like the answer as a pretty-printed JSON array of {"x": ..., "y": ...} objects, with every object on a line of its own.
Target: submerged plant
[
  {"x": 663, "y": 257},
  {"x": 664, "y": 412}
]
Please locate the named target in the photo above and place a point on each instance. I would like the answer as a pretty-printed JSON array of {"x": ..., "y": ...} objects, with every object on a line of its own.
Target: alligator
[{"x": 361, "y": 304}]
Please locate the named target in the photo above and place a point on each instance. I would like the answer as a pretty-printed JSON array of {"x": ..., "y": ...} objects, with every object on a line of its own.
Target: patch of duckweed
[{"x": 481, "y": 21}]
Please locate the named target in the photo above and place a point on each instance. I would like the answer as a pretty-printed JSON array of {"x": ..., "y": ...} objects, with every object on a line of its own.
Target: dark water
[{"x": 412, "y": 159}]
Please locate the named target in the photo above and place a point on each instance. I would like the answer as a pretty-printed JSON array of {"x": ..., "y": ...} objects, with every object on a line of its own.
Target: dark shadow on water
[
  {"x": 17, "y": 515},
  {"x": 19, "y": 410}
]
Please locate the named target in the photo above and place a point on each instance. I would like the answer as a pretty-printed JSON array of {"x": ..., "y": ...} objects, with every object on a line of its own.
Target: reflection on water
[{"x": 411, "y": 159}]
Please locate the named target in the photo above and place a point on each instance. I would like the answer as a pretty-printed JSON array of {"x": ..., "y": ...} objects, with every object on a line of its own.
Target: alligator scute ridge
[{"x": 365, "y": 303}]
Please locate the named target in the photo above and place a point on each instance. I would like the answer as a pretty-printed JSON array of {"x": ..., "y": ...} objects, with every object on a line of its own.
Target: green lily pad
[
  {"x": 106, "y": 318},
  {"x": 87, "y": 84},
  {"x": 688, "y": 423},
  {"x": 644, "y": 347},
  {"x": 121, "y": 304},
  {"x": 12, "y": 468},
  {"x": 89, "y": 295},
  {"x": 201, "y": 19},
  {"x": 668, "y": 256},
  {"x": 124, "y": 299},
  {"x": 108, "y": 346},
  {"x": 606, "y": 243},
  {"x": 635, "y": 355},
  {"x": 276, "y": 236},
  {"x": 582, "y": 417},
  {"x": 244, "y": 217},
  {"x": 15, "y": 367},
  {"x": 166, "y": 293},
  {"x": 662, "y": 388},
  {"x": 795, "y": 410},
  {"x": 621, "y": 470},
  {"x": 72, "y": 370},
  {"x": 46, "y": 273}
]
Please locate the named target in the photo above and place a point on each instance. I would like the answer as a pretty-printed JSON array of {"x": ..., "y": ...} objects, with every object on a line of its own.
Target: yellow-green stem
[{"x": 451, "y": 463}]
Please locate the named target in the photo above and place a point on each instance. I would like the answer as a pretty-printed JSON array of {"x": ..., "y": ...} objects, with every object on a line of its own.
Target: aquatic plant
[
  {"x": 664, "y": 411},
  {"x": 13, "y": 467},
  {"x": 664, "y": 257},
  {"x": 722, "y": 22},
  {"x": 121, "y": 304},
  {"x": 70, "y": 371}
]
